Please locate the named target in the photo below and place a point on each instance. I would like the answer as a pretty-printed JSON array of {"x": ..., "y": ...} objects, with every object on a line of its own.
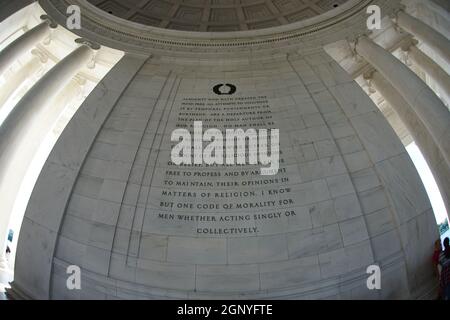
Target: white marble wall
[{"x": 357, "y": 197}]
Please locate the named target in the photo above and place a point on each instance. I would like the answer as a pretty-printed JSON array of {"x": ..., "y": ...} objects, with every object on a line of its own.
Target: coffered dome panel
[{"x": 216, "y": 15}]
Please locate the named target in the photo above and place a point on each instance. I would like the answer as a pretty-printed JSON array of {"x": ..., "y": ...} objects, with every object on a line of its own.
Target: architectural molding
[
  {"x": 135, "y": 37},
  {"x": 91, "y": 44},
  {"x": 407, "y": 38},
  {"x": 51, "y": 22}
]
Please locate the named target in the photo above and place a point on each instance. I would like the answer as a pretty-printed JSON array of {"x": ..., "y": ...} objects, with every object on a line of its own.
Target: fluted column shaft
[
  {"x": 419, "y": 133},
  {"x": 22, "y": 45},
  {"x": 18, "y": 139},
  {"x": 423, "y": 32},
  {"x": 432, "y": 69},
  {"x": 425, "y": 103}
]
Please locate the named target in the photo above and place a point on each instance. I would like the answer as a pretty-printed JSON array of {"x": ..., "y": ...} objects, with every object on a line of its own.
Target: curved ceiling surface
[{"x": 216, "y": 15}]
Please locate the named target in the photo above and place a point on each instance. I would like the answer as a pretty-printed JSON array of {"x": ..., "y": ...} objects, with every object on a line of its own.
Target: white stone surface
[
  {"x": 349, "y": 196},
  {"x": 339, "y": 186},
  {"x": 58, "y": 176}
]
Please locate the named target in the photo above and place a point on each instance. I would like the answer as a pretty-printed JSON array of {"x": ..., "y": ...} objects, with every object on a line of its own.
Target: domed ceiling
[{"x": 216, "y": 15}]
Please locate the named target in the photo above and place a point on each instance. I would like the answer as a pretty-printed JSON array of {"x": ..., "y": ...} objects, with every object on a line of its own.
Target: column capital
[
  {"x": 394, "y": 17},
  {"x": 428, "y": 106},
  {"x": 394, "y": 14},
  {"x": 353, "y": 42},
  {"x": 425, "y": 33},
  {"x": 91, "y": 44},
  {"x": 368, "y": 77},
  {"x": 51, "y": 23},
  {"x": 406, "y": 46},
  {"x": 354, "y": 39}
]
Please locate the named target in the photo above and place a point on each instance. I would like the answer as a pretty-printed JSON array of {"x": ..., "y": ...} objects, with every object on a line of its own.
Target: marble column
[
  {"x": 15, "y": 81},
  {"x": 417, "y": 130},
  {"x": 25, "y": 43},
  {"x": 425, "y": 103},
  {"x": 56, "y": 117},
  {"x": 433, "y": 14},
  {"x": 18, "y": 139},
  {"x": 431, "y": 68},
  {"x": 423, "y": 32}
]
